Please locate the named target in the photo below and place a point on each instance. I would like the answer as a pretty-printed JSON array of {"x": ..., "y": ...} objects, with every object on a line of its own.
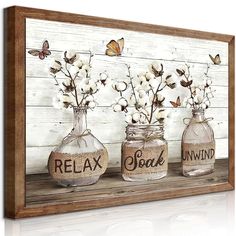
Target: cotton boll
[
  {"x": 55, "y": 67},
  {"x": 149, "y": 76},
  {"x": 123, "y": 102},
  {"x": 136, "y": 117},
  {"x": 117, "y": 107},
  {"x": 160, "y": 98},
  {"x": 92, "y": 105},
  {"x": 128, "y": 118},
  {"x": 208, "y": 82},
  {"x": 70, "y": 54},
  {"x": 190, "y": 101},
  {"x": 82, "y": 73},
  {"x": 78, "y": 63},
  {"x": 74, "y": 70},
  {"x": 155, "y": 66},
  {"x": 120, "y": 86},
  {"x": 142, "y": 102},
  {"x": 142, "y": 119},
  {"x": 86, "y": 67},
  {"x": 132, "y": 100},
  {"x": 204, "y": 106},
  {"x": 141, "y": 93},
  {"x": 89, "y": 98},
  {"x": 161, "y": 115},
  {"x": 145, "y": 86},
  {"x": 198, "y": 99}
]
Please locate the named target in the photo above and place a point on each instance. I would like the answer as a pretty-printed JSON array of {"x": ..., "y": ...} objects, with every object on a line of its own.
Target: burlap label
[
  {"x": 145, "y": 160},
  {"x": 74, "y": 166},
  {"x": 198, "y": 154}
]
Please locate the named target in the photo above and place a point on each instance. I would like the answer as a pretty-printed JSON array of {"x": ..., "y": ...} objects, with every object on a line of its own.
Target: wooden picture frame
[{"x": 16, "y": 182}]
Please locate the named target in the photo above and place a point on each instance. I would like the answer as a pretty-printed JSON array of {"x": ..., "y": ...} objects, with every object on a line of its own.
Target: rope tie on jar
[{"x": 73, "y": 136}]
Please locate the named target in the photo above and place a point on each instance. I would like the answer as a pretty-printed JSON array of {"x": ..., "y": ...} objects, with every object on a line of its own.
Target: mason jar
[{"x": 144, "y": 154}]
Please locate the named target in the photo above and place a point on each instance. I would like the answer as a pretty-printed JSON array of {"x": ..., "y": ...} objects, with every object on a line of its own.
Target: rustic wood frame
[{"x": 15, "y": 179}]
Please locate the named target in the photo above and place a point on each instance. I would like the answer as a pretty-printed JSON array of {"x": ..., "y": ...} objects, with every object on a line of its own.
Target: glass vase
[
  {"x": 81, "y": 158},
  {"x": 144, "y": 153},
  {"x": 198, "y": 146}
]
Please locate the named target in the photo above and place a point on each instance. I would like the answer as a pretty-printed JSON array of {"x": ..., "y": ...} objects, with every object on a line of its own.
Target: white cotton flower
[
  {"x": 71, "y": 53},
  {"x": 121, "y": 86},
  {"x": 55, "y": 67},
  {"x": 92, "y": 105},
  {"x": 142, "y": 102},
  {"x": 82, "y": 73},
  {"x": 182, "y": 69},
  {"x": 198, "y": 99},
  {"x": 89, "y": 98},
  {"x": 78, "y": 63},
  {"x": 86, "y": 67},
  {"x": 149, "y": 76},
  {"x": 204, "y": 106},
  {"x": 201, "y": 86},
  {"x": 208, "y": 81},
  {"x": 188, "y": 106},
  {"x": 117, "y": 107},
  {"x": 137, "y": 81},
  {"x": 153, "y": 82},
  {"x": 160, "y": 115},
  {"x": 171, "y": 80},
  {"x": 56, "y": 64},
  {"x": 156, "y": 68},
  {"x": 123, "y": 102},
  {"x": 145, "y": 86},
  {"x": 62, "y": 101},
  {"x": 141, "y": 93},
  {"x": 74, "y": 70},
  {"x": 136, "y": 117},
  {"x": 128, "y": 118},
  {"x": 142, "y": 119}
]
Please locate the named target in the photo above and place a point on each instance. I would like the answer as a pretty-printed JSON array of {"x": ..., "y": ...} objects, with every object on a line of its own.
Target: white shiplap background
[{"x": 46, "y": 126}]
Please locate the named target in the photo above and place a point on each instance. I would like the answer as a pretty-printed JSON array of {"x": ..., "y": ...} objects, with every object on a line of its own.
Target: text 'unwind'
[{"x": 201, "y": 154}]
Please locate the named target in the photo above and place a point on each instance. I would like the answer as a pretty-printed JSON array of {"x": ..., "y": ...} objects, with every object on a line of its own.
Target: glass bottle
[
  {"x": 144, "y": 153},
  {"x": 81, "y": 158},
  {"x": 198, "y": 146}
]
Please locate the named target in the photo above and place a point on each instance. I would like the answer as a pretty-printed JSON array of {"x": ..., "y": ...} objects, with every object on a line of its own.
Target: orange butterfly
[
  {"x": 115, "y": 48},
  {"x": 44, "y": 52},
  {"x": 177, "y": 103}
]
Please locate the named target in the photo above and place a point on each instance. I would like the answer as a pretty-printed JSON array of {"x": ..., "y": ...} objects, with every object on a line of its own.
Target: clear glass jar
[
  {"x": 81, "y": 158},
  {"x": 198, "y": 146},
  {"x": 144, "y": 153}
]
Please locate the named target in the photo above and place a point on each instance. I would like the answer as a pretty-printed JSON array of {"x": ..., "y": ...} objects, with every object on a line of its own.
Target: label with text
[
  {"x": 198, "y": 154},
  {"x": 73, "y": 166},
  {"x": 144, "y": 160}
]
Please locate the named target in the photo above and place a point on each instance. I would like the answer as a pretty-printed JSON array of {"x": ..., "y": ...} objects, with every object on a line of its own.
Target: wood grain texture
[
  {"x": 15, "y": 119},
  {"x": 14, "y": 113},
  {"x": 111, "y": 190}
]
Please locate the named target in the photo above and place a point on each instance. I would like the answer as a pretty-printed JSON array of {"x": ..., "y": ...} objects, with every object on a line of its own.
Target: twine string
[{"x": 76, "y": 136}]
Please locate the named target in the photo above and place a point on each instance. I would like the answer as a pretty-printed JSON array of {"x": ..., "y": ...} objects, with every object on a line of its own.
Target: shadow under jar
[
  {"x": 81, "y": 158},
  {"x": 144, "y": 154},
  {"x": 198, "y": 146}
]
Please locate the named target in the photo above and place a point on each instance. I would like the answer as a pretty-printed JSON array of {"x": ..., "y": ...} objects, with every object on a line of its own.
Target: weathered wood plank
[
  {"x": 85, "y": 37},
  {"x": 37, "y": 157},
  {"x": 53, "y": 124},
  {"x": 42, "y": 190}
]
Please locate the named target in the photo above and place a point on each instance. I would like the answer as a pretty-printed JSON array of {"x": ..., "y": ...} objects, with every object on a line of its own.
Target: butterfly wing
[
  {"x": 212, "y": 58},
  {"x": 45, "y": 45},
  {"x": 41, "y": 55},
  {"x": 45, "y": 50},
  {"x": 113, "y": 48},
  {"x": 121, "y": 43},
  {"x": 217, "y": 59},
  {"x": 34, "y": 52},
  {"x": 177, "y": 103}
]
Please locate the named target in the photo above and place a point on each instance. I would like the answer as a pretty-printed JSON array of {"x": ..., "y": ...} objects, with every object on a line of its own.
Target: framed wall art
[{"x": 102, "y": 112}]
